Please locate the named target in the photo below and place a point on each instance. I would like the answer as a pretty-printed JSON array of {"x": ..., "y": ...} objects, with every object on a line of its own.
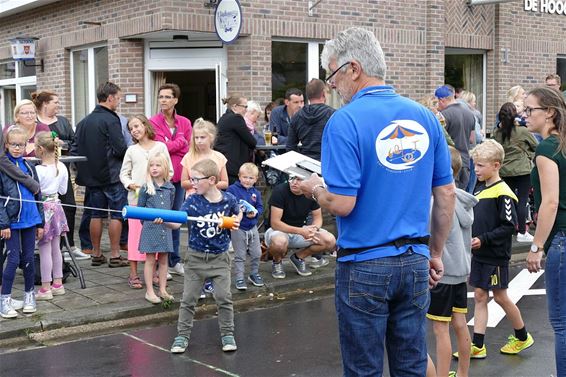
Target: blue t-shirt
[
  {"x": 205, "y": 236},
  {"x": 388, "y": 152}
]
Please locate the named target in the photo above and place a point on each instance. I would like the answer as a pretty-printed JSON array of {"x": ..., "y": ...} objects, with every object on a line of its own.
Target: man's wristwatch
[{"x": 535, "y": 248}]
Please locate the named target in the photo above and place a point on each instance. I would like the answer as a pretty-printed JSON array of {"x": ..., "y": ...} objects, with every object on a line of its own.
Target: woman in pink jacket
[{"x": 175, "y": 131}]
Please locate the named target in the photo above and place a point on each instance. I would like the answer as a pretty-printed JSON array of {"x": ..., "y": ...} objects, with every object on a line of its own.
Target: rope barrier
[{"x": 8, "y": 198}]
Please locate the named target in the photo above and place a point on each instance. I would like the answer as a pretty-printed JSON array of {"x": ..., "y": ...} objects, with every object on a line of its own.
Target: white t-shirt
[{"x": 51, "y": 182}]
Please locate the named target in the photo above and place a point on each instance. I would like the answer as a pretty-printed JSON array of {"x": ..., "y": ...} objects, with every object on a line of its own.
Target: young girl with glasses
[{"x": 21, "y": 220}]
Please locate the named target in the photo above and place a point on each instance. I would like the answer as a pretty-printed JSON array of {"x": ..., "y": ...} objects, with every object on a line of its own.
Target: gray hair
[
  {"x": 356, "y": 44},
  {"x": 254, "y": 106}
]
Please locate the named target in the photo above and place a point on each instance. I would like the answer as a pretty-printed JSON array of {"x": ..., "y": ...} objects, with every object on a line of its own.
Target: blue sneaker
[
  {"x": 228, "y": 343},
  {"x": 256, "y": 280},
  {"x": 300, "y": 265},
  {"x": 180, "y": 344},
  {"x": 241, "y": 285},
  {"x": 208, "y": 287}
]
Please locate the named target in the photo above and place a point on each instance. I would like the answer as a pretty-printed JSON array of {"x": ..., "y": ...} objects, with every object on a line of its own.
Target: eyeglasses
[
  {"x": 197, "y": 179},
  {"x": 17, "y": 146},
  {"x": 165, "y": 97},
  {"x": 335, "y": 72},
  {"x": 28, "y": 113},
  {"x": 529, "y": 110},
  {"x": 244, "y": 106}
]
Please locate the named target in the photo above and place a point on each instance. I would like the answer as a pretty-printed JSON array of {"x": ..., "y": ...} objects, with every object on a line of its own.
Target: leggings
[
  {"x": 19, "y": 252},
  {"x": 51, "y": 260},
  {"x": 520, "y": 184}
]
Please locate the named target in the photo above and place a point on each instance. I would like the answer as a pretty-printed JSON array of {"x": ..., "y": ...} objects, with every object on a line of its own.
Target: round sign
[{"x": 228, "y": 20}]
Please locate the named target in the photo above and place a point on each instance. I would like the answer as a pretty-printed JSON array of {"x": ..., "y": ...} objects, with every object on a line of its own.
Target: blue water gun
[{"x": 247, "y": 207}]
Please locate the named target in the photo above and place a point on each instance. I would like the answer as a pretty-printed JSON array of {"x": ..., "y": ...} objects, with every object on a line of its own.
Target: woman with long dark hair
[
  {"x": 519, "y": 146},
  {"x": 546, "y": 114}
]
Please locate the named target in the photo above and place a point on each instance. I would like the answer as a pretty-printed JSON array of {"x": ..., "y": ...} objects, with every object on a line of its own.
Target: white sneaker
[
  {"x": 177, "y": 269},
  {"x": 16, "y": 304},
  {"x": 525, "y": 237},
  {"x": 78, "y": 253},
  {"x": 66, "y": 257},
  {"x": 169, "y": 277}
]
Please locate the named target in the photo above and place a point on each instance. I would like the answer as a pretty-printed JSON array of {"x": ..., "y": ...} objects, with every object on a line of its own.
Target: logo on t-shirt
[{"x": 401, "y": 144}]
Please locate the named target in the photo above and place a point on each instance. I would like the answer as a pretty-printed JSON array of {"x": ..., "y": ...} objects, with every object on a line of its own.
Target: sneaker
[
  {"x": 202, "y": 294},
  {"x": 78, "y": 253},
  {"x": 58, "y": 290},
  {"x": 67, "y": 257},
  {"x": 44, "y": 295},
  {"x": 180, "y": 344},
  {"x": 16, "y": 304},
  {"x": 277, "y": 270},
  {"x": 169, "y": 276},
  {"x": 6, "y": 309},
  {"x": 208, "y": 287},
  {"x": 229, "y": 343},
  {"x": 475, "y": 352},
  {"x": 514, "y": 345},
  {"x": 452, "y": 373},
  {"x": 30, "y": 305},
  {"x": 256, "y": 280},
  {"x": 525, "y": 237},
  {"x": 300, "y": 265},
  {"x": 241, "y": 285},
  {"x": 318, "y": 262},
  {"x": 177, "y": 269}
]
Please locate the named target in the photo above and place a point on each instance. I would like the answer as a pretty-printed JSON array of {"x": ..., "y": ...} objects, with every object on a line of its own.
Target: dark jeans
[
  {"x": 175, "y": 257},
  {"x": 84, "y": 227},
  {"x": 520, "y": 185},
  {"x": 383, "y": 302},
  {"x": 19, "y": 253}
]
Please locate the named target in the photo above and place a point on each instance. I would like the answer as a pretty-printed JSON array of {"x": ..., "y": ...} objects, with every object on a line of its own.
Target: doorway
[{"x": 198, "y": 93}]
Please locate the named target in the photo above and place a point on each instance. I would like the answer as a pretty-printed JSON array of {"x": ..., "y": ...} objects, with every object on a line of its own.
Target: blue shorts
[{"x": 113, "y": 197}]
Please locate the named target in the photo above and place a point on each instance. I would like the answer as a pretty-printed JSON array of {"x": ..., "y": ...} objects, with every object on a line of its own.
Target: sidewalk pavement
[{"x": 108, "y": 302}]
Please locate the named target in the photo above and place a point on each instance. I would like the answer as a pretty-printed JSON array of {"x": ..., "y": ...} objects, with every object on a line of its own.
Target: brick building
[{"x": 140, "y": 44}]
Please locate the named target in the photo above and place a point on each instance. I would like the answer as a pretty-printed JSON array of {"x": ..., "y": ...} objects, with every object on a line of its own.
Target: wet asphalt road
[{"x": 291, "y": 339}]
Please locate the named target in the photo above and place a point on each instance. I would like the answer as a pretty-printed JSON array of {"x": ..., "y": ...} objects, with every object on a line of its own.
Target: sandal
[
  {"x": 118, "y": 262},
  {"x": 135, "y": 282},
  {"x": 98, "y": 261}
]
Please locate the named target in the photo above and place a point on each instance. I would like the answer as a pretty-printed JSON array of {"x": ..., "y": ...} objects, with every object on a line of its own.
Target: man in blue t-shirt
[{"x": 383, "y": 157}]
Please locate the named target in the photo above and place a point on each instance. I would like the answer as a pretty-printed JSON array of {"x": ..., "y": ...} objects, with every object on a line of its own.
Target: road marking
[
  {"x": 183, "y": 356},
  {"x": 518, "y": 287}
]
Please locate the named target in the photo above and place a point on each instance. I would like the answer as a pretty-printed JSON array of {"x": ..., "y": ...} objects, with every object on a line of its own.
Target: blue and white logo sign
[
  {"x": 228, "y": 20},
  {"x": 401, "y": 144}
]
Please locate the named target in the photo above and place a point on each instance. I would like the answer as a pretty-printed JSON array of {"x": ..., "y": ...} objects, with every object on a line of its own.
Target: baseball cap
[{"x": 443, "y": 92}]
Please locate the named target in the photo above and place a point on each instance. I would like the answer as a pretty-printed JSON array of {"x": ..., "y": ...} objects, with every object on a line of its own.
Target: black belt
[{"x": 397, "y": 243}]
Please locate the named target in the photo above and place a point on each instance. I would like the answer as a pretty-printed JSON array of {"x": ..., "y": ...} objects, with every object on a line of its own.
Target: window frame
[
  {"x": 13, "y": 83},
  {"x": 91, "y": 73}
]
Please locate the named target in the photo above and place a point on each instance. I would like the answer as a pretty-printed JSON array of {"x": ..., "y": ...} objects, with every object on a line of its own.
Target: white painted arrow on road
[{"x": 518, "y": 287}]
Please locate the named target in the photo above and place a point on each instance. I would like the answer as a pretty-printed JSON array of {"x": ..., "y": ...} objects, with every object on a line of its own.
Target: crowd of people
[{"x": 390, "y": 253}]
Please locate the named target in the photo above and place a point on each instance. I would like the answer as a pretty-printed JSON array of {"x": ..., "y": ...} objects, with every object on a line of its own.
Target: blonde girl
[
  {"x": 156, "y": 238},
  {"x": 53, "y": 176},
  {"x": 202, "y": 140},
  {"x": 133, "y": 175},
  {"x": 21, "y": 223}
]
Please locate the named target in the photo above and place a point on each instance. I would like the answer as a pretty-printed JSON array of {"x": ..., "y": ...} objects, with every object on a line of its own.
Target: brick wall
[{"x": 413, "y": 34}]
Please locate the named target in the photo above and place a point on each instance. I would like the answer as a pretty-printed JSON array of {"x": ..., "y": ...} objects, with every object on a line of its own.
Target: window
[
  {"x": 561, "y": 71},
  {"x": 17, "y": 82},
  {"x": 293, "y": 64},
  {"x": 89, "y": 68}
]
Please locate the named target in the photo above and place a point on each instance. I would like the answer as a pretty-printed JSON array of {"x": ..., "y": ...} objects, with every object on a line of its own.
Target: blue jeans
[
  {"x": 379, "y": 300},
  {"x": 19, "y": 252},
  {"x": 84, "y": 227},
  {"x": 555, "y": 279},
  {"x": 175, "y": 257}
]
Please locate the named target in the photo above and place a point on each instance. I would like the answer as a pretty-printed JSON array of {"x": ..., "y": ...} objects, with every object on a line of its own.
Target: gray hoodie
[{"x": 457, "y": 252}]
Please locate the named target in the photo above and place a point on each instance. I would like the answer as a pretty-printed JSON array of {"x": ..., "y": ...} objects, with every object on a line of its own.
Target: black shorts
[
  {"x": 446, "y": 299},
  {"x": 488, "y": 276},
  {"x": 113, "y": 196}
]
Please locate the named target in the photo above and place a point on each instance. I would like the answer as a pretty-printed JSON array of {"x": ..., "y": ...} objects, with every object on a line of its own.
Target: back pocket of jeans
[
  {"x": 368, "y": 291},
  {"x": 421, "y": 296}
]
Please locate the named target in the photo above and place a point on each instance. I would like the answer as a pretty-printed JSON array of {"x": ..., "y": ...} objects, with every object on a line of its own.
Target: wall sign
[
  {"x": 546, "y": 6},
  {"x": 228, "y": 20},
  {"x": 23, "y": 48}
]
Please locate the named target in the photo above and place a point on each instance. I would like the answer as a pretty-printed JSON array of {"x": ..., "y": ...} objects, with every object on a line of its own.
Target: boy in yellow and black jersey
[{"x": 495, "y": 222}]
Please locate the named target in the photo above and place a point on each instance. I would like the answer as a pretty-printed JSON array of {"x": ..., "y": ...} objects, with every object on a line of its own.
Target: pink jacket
[{"x": 177, "y": 144}]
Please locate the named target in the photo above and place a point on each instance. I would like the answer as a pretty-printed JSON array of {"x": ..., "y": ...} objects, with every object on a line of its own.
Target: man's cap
[{"x": 443, "y": 92}]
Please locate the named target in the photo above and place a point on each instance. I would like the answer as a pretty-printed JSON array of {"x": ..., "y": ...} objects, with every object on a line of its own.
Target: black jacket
[
  {"x": 10, "y": 209},
  {"x": 495, "y": 220},
  {"x": 64, "y": 131},
  {"x": 99, "y": 138},
  {"x": 307, "y": 126},
  {"x": 235, "y": 142}
]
